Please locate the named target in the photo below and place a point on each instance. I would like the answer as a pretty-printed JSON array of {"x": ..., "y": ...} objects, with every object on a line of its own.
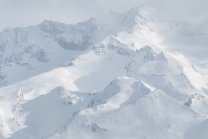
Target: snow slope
[
  {"x": 103, "y": 78},
  {"x": 36, "y": 49}
]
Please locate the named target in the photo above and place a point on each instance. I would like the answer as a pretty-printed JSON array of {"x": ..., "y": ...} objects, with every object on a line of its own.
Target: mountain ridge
[{"x": 100, "y": 79}]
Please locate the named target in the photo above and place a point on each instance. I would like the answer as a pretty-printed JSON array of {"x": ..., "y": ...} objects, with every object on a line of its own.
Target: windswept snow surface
[{"x": 103, "y": 78}]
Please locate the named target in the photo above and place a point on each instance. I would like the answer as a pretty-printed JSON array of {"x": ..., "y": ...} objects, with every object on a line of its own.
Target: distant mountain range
[{"x": 113, "y": 77}]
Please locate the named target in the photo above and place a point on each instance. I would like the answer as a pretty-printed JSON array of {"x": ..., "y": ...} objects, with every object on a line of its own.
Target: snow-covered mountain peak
[
  {"x": 35, "y": 46},
  {"x": 161, "y": 57},
  {"x": 125, "y": 83},
  {"x": 131, "y": 18},
  {"x": 174, "y": 71},
  {"x": 98, "y": 77}
]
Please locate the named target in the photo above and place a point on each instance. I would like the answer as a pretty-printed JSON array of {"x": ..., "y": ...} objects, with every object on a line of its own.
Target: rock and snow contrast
[{"x": 114, "y": 77}]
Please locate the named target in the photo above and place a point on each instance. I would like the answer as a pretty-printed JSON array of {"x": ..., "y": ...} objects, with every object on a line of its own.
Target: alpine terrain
[{"x": 123, "y": 76}]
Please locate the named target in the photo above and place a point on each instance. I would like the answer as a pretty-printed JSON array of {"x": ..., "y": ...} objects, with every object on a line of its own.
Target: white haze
[{"x": 14, "y": 13}]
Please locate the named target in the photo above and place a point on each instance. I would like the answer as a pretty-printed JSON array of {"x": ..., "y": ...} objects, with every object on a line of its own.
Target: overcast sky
[{"x": 21, "y": 13}]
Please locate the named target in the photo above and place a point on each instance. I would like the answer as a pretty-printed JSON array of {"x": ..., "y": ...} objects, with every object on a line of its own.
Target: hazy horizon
[{"x": 22, "y": 13}]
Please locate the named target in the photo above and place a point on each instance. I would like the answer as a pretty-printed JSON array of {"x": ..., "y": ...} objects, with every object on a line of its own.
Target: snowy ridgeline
[{"x": 107, "y": 78}]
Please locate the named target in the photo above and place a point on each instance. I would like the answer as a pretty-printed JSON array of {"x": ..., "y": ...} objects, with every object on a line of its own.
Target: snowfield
[{"x": 118, "y": 77}]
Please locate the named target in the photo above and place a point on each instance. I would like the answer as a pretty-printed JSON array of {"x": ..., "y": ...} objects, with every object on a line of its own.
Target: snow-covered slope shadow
[
  {"x": 111, "y": 85},
  {"x": 51, "y": 113},
  {"x": 44, "y": 114},
  {"x": 154, "y": 115},
  {"x": 175, "y": 75},
  {"x": 108, "y": 61},
  {"x": 198, "y": 132}
]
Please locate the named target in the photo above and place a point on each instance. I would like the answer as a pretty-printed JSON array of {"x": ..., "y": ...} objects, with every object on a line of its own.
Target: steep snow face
[
  {"x": 33, "y": 50},
  {"x": 37, "y": 49},
  {"x": 30, "y": 51},
  {"x": 108, "y": 62},
  {"x": 169, "y": 35},
  {"x": 106, "y": 78},
  {"x": 62, "y": 113},
  {"x": 175, "y": 75},
  {"x": 99, "y": 70},
  {"x": 155, "y": 113},
  {"x": 174, "y": 67},
  {"x": 88, "y": 98},
  {"x": 148, "y": 27}
]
